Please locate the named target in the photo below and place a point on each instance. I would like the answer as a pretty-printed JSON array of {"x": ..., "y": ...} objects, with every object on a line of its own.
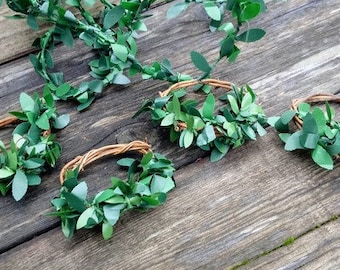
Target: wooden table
[{"x": 238, "y": 211}]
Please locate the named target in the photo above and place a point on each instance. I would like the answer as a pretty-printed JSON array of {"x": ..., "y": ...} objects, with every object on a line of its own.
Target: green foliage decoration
[
  {"x": 146, "y": 186},
  {"x": 113, "y": 37},
  {"x": 237, "y": 121},
  {"x": 241, "y": 11},
  {"x": 318, "y": 132},
  {"x": 33, "y": 147}
]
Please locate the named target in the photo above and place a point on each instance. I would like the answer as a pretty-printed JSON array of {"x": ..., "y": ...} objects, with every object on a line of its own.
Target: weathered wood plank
[
  {"x": 319, "y": 249},
  {"x": 215, "y": 218},
  {"x": 276, "y": 81}
]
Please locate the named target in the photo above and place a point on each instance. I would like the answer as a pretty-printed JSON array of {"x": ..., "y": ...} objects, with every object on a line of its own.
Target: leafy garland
[
  {"x": 113, "y": 36},
  {"x": 235, "y": 123},
  {"x": 33, "y": 148},
  {"x": 145, "y": 187},
  {"x": 317, "y": 132}
]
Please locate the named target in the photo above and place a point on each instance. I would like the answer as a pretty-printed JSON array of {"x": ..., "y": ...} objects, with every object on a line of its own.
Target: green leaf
[
  {"x": 63, "y": 89},
  {"x": 287, "y": 116},
  {"x": 74, "y": 202},
  {"x": 104, "y": 195},
  {"x": 309, "y": 124},
  {"x": 176, "y": 106},
  {"x": 233, "y": 104},
  {"x": 67, "y": 38},
  {"x": 309, "y": 140},
  {"x": 32, "y": 22},
  {"x": 250, "y": 11},
  {"x": 112, "y": 213},
  {"x": 19, "y": 185},
  {"x": 293, "y": 142},
  {"x": 146, "y": 158},
  {"x": 251, "y": 35},
  {"x": 330, "y": 112},
  {"x": 216, "y": 155},
  {"x": 121, "y": 79},
  {"x": 96, "y": 86},
  {"x": 228, "y": 28},
  {"x": 43, "y": 122},
  {"x": 227, "y": 47},
  {"x": 187, "y": 136},
  {"x": 72, "y": 3},
  {"x": 176, "y": 9},
  {"x": 84, "y": 217},
  {"x": 26, "y": 103},
  {"x": 249, "y": 132},
  {"x": 107, "y": 230},
  {"x": 120, "y": 51},
  {"x": 212, "y": 10},
  {"x": 113, "y": 16},
  {"x": 126, "y": 162},
  {"x": 168, "y": 120},
  {"x": 80, "y": 191},
  {"x": 200, "y": 62},
  {"x": 68, "y": 226},
  {"x": 33, "y": 179},
  {"x": 247, "y": 100},
  {"x": 320, "y": 120},
  {"x": 322, "y": 158},
  {"x": 61, "y": 121},
  {"x": 161, "y": 184},
  {"x": 209, "y": 107},
  {"x": 5, "y": 173},
  {"x": 303, "y": 109},
  {"x": 260, "y": 130}
]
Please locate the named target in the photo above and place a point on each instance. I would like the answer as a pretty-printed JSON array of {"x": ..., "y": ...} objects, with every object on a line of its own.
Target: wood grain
[
  {"x": 214, "y": 219},
  {"x": 318, "y": 249},
  {"x": 248, "y": 203}
]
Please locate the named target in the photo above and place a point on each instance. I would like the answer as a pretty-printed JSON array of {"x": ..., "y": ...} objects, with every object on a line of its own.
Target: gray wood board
[
  {"x": 318, "y": 249},
  {"x": 215, "y": 218},
  {"x": 299, "y": 56}
]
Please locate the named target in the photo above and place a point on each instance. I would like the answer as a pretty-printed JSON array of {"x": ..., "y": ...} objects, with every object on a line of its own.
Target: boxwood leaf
[
  {"x": 26, "y": 102},
  {"x": 19, "y": 185},
  {"x": 5, "y": 173},
  {"x": 112, "y": 213},
  {"x": 216, "y": 155},
  {"x": 212, "y": 10},
  {"x": 200, "y": 62},
  {"x": 168, "y": 120},
  {"x": 107, "y": 230},
  {"x": 250, "y": 11},
  {"x": 80, "y": 190},
  {"x": 320, "y": 120},
  {"x": 74, "y": 202},
  {"x": 309, "y": 124},
  {"x": 113, "y": 16},
  {"x": 293, "y": 142},
  {"x": 161, "y": 184},
  {"x": 322, "y": 158},
  {"x": 209, "y": 107},
  {"x": 84, "y": 217},
  {"x": 251, "y": 35},
  {"x": 61, "y": 121}
]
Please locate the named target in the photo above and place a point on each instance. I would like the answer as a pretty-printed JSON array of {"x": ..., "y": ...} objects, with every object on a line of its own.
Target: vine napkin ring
[
  {"x": 235, "y": 122},
  {"x": 146, "y": 186}
]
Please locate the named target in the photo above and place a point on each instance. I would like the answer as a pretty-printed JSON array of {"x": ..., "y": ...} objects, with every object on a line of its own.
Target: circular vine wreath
[
  {"x": 33, "y": 147},
  {"x": 235, "y": 123},
  {"x": 317, "y": 129},
  {"x": 146, "y": 186}
]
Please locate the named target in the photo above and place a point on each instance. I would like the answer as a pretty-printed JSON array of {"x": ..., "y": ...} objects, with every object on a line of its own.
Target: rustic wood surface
[{"x": 240, "y": 209}]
